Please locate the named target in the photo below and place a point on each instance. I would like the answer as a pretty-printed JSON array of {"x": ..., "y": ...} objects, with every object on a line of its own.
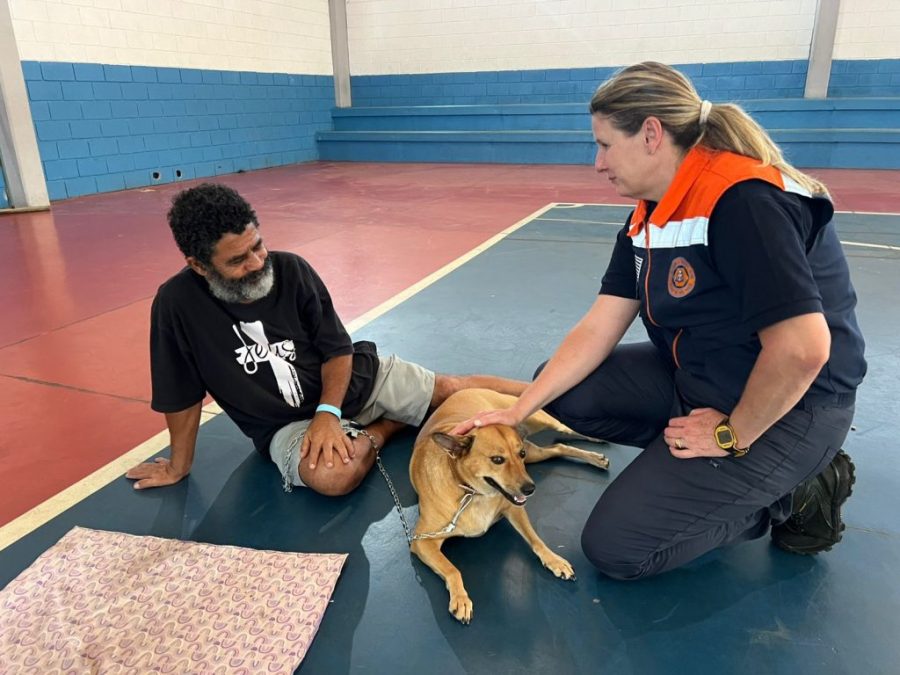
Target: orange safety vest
[{"x": 690, "y": 313}]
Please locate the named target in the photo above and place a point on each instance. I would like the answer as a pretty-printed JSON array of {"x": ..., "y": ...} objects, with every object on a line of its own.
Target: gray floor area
[{"x": 747, "y": 609}]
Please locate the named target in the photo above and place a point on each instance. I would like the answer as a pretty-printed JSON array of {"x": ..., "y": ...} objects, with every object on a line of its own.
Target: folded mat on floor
[{"x": 111, "y": 602}]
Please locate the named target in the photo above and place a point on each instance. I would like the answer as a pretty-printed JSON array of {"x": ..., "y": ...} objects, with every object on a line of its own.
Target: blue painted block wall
[
  {"x": 880, "y": 77},
  {"x": 104, "y": 127},
  {"x": 738, "y": 81},
  {"x": 715, "y": 81}
]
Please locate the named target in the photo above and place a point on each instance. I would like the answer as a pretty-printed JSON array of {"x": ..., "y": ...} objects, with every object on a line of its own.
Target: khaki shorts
[{"x": 402, "y": 393}]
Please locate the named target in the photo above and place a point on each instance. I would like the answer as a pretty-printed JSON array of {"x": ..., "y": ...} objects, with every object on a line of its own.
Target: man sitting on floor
[{"x": 257, "y": 330}]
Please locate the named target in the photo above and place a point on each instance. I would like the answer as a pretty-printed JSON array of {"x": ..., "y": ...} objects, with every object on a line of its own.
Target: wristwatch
[{"x": 726, "y": 438}]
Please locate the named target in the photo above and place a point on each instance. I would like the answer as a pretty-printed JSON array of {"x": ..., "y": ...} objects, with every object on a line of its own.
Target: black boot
[{"x": 815, "y": 524}]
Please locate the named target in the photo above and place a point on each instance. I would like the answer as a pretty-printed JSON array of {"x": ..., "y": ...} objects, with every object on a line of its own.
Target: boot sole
[
  {"x": 836, "y": 503},
  {"x": 839, "y": 498}
]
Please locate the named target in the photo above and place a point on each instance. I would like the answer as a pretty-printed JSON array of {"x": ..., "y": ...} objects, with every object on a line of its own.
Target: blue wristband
[{"x": 334, "y": 410}]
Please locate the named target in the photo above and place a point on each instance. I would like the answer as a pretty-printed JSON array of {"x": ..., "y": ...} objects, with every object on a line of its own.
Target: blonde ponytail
[{"x": 653, "y": 89}]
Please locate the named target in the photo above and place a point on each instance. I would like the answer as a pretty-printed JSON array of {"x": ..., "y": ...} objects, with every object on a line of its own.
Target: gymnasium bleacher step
[{"x": 831, "y": 133}]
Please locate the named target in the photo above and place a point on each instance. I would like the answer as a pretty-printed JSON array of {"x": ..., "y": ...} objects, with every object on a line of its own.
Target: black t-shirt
[{"x": 260, "y": 361}]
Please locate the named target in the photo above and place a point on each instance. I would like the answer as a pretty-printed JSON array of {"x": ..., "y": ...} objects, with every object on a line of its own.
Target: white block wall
[
  {"x": 419, "y": 36},
  {"x": 280, "y": 36},
  {"x": 868, "y": 29}
]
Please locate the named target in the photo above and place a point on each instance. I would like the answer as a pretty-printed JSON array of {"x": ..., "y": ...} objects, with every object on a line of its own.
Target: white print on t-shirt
[{"x": 276, "y": 355}]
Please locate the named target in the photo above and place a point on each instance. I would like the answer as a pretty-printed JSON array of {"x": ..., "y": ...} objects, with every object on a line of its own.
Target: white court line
[
  {"x": 870, "y": 213},
  {"x": 388, "y": 305},
  {"x": 857, "y": 243},
  {"x": 845, "y": 243},
  {"x": 614, "y": 223},
  {"x": 52, "y": 507},
  {"x": 572, "y": 205}
]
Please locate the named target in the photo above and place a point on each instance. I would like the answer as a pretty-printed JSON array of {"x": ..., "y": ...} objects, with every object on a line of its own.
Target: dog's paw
[
  {"x": 599, "y": 460},
  {"x": 461, "y": 608},
  {"x": 560, "y": 567}
]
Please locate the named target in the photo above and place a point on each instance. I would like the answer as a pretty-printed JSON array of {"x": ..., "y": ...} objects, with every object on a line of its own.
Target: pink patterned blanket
[{"x": 106, "y": 602}]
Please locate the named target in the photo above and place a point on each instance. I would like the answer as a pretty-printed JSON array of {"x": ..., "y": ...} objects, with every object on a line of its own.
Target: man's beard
[{"x": 249, "y": 288}]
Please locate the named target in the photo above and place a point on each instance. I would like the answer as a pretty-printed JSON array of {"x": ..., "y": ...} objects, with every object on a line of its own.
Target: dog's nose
[{"x": 528, "y": 489}]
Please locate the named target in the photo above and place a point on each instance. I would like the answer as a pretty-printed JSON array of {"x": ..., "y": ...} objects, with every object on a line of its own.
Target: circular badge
[{"x": 681, "y": 278}]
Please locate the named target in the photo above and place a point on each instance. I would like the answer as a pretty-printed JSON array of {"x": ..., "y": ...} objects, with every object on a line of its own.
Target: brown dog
[{"x": 489, "y": 465}]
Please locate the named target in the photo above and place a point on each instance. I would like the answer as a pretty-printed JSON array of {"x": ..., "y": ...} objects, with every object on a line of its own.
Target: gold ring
[{"x": 679, "y": 444}]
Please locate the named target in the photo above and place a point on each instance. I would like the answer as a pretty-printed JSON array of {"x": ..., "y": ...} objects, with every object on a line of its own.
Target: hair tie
[{"x": 705, "y": 107}]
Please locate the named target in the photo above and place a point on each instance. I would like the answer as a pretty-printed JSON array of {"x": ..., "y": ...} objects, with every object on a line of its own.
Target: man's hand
[
  {"x": 509, "y": 417},
  {"x": 323, "y": 436},
  {"x": 157, "y": 473},
  {"x": 694, "y": 435}
]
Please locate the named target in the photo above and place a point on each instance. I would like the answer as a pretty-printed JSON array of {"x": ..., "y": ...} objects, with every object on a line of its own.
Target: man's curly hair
[{"x": 202, "y": 215}]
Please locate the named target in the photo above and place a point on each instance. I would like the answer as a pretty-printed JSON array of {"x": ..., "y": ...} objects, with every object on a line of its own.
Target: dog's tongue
[{"x": 520, "y": 499}]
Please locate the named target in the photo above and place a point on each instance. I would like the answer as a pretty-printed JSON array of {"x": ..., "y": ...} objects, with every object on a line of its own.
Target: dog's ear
[
  {"x": 457, "y": 446},
  {"x": 522, "y": 430}
]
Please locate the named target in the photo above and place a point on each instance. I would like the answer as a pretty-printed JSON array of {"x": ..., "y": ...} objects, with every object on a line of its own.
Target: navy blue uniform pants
[{"x": 662, "y": 512}]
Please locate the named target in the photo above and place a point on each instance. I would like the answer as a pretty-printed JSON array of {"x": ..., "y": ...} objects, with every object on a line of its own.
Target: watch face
[{"x": 724, "y": 437}]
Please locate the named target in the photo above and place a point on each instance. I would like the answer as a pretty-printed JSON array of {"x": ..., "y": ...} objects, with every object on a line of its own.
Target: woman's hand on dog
[
  {"x": 486, "y": 418},
  {"x": 323, "y": 437}
]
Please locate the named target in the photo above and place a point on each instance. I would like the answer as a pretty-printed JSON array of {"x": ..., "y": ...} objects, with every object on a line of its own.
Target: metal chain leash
[
  {"x": 468, "y": 496},
  {"x": 390, "y": 484}
]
